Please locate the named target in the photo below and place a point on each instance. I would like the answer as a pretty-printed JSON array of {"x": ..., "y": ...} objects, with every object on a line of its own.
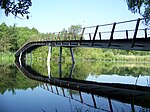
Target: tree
[
  {"x": 16, "y": 7},
  {"x": 4, "y": 40},
  {"x": 140, "y": 6},
  {"x": 75, "y": 28},
  {"x": 13, "y": 38}
]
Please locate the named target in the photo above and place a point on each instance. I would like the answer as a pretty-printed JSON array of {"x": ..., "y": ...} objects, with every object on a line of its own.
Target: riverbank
[
  {"x": 9, "y": 57},
  {"x": 118, "y": 58}
]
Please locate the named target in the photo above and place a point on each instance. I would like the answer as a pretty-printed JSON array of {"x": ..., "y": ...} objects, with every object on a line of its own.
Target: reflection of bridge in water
[
  {"x": 64, "y": 93},
  {"x": 118, "y": 35},
  {"x": 132, "y": 95}
]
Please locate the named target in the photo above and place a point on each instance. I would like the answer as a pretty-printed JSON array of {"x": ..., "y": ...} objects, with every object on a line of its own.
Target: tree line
[{"x": 13, "y": 37}]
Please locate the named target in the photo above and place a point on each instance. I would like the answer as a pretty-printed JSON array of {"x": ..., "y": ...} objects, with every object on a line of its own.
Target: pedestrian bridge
[{"x": 126, "y": 35}]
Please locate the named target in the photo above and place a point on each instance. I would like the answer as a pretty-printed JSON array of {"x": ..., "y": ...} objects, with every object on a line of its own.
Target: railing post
[
  {"x": 63, "y": 91},
  {"x": 51, "y": 89},
  {"x": 110, "y": 104},
  {"x": 47, "y": 86},
  {"x": 135, "y": 33},
  {"x": 145, "y": 32},
  {"x": 70, "y": 92},
  {"x": 60, "y": 54},
  {"x": 49, "y": 38},
  {"x": 57, "y": 90},
  {"x": 72, "y": 55},
  {"x": 94, "y": 101},
  {"x": 59, "y": 35},
  {"x": 94, "y": 36},
  {"x": 127, "y": 34},
  {"x": 82, "y": 35},
  {"x": 53, "y": 36},
  {"x": 100, "y": 37},
  {"x": 90, "y": 35},
  {"x": 65, "y": 35},
  {"x": 111, "y": 36},
  {"x": 81, "y": 97},
  {"x": 74, "y": 34}
]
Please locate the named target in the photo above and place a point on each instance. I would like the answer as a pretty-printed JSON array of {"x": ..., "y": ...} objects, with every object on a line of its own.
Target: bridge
[
  {"x": 121, "y": 37},
  {"x": 126, "y": 35}
]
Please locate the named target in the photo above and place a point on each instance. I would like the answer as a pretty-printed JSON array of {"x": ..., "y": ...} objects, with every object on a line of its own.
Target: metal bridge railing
[
  {"x": 68, "y": 93},
  {"x": 131, "y": 29}
]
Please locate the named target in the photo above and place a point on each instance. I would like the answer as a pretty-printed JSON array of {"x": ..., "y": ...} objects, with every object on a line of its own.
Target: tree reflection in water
[
  {"x": 130, "y": 94},
  {"x": 11, "y": 80}
]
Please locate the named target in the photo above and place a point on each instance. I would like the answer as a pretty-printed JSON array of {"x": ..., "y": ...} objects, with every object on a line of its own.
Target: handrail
[
  {"x": 96, "y": 33},
  {"x": 84, "y": 29}
]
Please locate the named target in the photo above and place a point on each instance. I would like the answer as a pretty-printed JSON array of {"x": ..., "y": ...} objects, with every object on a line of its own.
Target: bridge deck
[{"x": 142, "y": 44}]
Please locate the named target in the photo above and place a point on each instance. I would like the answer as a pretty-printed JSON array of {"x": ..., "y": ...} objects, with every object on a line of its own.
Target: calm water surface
[{"x": 18, "y": 93}]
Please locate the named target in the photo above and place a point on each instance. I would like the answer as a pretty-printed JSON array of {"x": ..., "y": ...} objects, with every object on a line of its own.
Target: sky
[{"x": 55, "y": 15}]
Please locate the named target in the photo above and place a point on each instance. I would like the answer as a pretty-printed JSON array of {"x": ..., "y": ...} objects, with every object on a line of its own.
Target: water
[{"x": 19, "y": 93}]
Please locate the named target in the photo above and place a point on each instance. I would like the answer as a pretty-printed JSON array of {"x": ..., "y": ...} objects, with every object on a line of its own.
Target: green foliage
[
  {"x": 75, "y": 29},
  {"x": 16, "y": 7},
  {"x": 13, "y": 37},
  {"x": 82, "y": 69},
  {"x": 140, "y": 6},
  {"x": 6, "y": 57},
  {"x": 12, "y": 79}
]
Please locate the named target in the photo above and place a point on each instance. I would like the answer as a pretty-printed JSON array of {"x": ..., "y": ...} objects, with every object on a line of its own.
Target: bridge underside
[{"x": 141, "y": 44}]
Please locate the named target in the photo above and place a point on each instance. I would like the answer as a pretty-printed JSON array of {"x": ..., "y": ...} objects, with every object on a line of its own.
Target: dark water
[{"x": 19, "y": 93}]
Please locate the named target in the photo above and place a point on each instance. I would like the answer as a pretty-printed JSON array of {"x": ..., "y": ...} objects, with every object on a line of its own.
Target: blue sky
[{"x": 54, "y": 15}]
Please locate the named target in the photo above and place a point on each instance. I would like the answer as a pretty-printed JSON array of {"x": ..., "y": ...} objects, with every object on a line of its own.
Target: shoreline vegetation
[
  {"x": 9, "y": 57},
  {"x": 140, "y": 59}
]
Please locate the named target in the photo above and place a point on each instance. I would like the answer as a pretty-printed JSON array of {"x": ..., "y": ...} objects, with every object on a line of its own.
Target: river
[{"x": 21, "y": 92}]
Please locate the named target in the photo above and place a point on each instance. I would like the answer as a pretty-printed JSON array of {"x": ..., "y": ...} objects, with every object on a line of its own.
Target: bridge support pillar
[
  {"x": 26, "y": 59},
  {"x": 30, "y": 58},
  {"x": 49, "y": 54},
  {"x": 60, "y": 54},
  {"x": 49, "y": 70},
  {"x": 72, "y": 55},
  {"x": 20, "y": 58},
  {"x": 71, "y": 52},
  {"x": 60, "y": 71},
  {"x": 71, "y": 71}
]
